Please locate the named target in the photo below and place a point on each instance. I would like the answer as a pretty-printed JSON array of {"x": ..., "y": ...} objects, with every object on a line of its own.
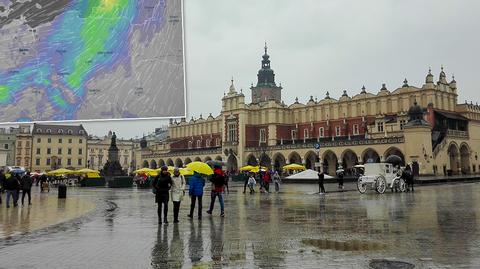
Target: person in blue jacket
[{"x": 196, "y": 184}]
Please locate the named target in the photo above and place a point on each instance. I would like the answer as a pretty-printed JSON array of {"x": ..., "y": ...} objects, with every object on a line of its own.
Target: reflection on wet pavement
[
  {"x": 45, "y": 210},
  {"x": 435, "y": 227}
]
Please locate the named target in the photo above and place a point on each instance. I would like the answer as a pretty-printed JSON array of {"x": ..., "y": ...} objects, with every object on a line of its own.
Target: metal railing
[{"x": 457, "y": 133}]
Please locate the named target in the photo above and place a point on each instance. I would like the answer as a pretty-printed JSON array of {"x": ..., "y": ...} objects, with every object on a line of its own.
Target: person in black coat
[
  {"x": 162, "y": 184},
  {"x": 321, "y": 177},
  {"x": 2, "y": 180}
]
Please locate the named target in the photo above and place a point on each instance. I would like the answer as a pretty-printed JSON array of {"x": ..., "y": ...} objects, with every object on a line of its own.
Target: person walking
[
  {"x": 2, "y": 180},
  {"x": 11, "y": 186},
  {"x": 18, "y": 178},
  {"x": 228, "y": 176},
  {"x": 340, "y": 175},
  {"x": 252, "y": 183},
  {"x": 276, "y": 180},
  {"x": 266, "y": 181},
  {"x": 26, "y": 184},
  {"x": 245, "y": 183},
  {"x": 321, "y": 177},
  {"x": 178, "y": 191},
  {"x": 218, "y": 184},
  {"x": 195, "y": 190},
  {"x": 162, "y": 184}
]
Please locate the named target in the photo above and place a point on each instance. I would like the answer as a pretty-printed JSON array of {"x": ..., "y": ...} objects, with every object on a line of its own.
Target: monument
[{"x": 113, "y": 171}]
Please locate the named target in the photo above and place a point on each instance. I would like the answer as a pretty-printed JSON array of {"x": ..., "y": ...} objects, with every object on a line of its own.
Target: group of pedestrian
[
  {"x": 165, "y": 185},
  {"x": 12, "y": 185},
  {"x": 264, "y": 179}
]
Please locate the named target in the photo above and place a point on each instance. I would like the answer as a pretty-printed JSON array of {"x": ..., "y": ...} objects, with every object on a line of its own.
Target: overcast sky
[{"x": 318, "y": 46}]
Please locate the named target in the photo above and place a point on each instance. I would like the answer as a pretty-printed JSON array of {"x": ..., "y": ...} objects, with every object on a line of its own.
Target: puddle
[{"x": 350, "y": 245}]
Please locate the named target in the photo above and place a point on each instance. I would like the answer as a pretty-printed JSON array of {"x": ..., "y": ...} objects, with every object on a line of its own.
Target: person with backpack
[
  {"x": 177, "y": 191},
  {"x": 195, "y": 190},
  {"x": 218, "y": 184},
  {"x": 266, "y": 181},
  {"x": 162, "y": 184},
  {"x": 26, "y": 184}
]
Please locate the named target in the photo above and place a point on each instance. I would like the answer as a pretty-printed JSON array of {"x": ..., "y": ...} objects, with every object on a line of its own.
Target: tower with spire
[{"x": 266, "y": 88}]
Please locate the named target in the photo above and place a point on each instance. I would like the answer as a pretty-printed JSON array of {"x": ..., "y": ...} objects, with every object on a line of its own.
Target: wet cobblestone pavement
[{"x": 435, "y": 227}]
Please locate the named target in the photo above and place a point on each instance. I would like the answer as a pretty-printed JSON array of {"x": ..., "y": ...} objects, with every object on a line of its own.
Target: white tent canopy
[{"x": 307, "y": 174}]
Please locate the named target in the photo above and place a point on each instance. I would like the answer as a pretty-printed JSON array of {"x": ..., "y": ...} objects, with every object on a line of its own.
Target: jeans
[
  {"x": 13, "y": 195},
  {"x": 29, "y": 193},
  {"x": 192, "y": 205},
  {"x": 162, "y": 200},
  {"x": 220, "y": 198},
  {"x": 176, "y": 209}
]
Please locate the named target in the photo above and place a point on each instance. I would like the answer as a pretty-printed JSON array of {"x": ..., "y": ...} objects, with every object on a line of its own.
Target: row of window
[
  {"x": 208, "y": 143},
  {"x": 321, "y": 132},
  {"x": 59, "y": 151},
  {"x": 381, "y": 128},
  {"x": 49, "y": 140},
  {"x": 101, "y": 151},
  {"x": 58, "y": 162},
  {"x": 60, "y": 131}
]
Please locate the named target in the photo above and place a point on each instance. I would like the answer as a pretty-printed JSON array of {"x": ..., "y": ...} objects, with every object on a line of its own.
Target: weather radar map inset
[{"x": 69, "y": 60}]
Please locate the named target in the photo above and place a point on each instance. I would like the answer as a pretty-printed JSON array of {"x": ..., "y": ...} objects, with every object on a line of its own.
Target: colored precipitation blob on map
[{"x": 90, "y": 59}]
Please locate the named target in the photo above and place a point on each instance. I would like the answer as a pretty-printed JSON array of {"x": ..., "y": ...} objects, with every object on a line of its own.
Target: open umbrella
[
  {"x": 247, "y": 168},
  {"x": 294, "y": 166},
  {"x": 200, "y": 167},
  {"x": 61, "y": 171},
  {"x": 257, "y": 169},
  {"x": 146, "y": 171}
]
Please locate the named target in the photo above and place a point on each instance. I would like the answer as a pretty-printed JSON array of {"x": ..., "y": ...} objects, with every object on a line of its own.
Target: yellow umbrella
[
  {"x": 61, "y": 171},
  {"x": 247, "y": 168},
  {"x": 86, "y": 170},
  {"x": 257, "y": 169},
  {"x": 294, "y": 166},
  {"x": 147, "y": 171},
  {"x": 200, "y": 167}
]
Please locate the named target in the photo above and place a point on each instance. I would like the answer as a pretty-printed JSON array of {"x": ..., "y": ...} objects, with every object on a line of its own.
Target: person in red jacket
[
  {"x": 218, "y": 186},
  {"x": 266, "y": 181}
]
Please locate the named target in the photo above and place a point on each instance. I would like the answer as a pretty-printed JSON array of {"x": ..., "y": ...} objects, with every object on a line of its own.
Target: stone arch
[
  {"x": 178, "y": 163},
  {"x": 208, "y": 158},
  {"x": 252, "y": 160},
  {"x": 153, "y": 164},
  {"x": 278, "y": 161},
  {"x": 310, "y": 159},
  {"x": 232, "y": 163},
  {"x": 197, "y": 159},
  {"x": 265, "y": 160},
  {"x": 454, "y": 155},
  {"x": 145, "y": 164},
  {"x": 465, "y": 158},
  {"x": 170, "y": 162},
  {"x": 294, "y": 157},
  {"x": 161, "y": 162},
  {"x": 330, "y": 162},
  {"x": 370, "y": 156},
  {"x": 394, "y": 151},
  {"x": 218, "y": 158},
  {"x": 187, "y": 161},
  {"x": 349, "y": 159}
]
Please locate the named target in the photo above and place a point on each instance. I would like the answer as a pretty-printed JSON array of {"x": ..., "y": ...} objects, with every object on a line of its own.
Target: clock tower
[{"x": 266, "y": 89}]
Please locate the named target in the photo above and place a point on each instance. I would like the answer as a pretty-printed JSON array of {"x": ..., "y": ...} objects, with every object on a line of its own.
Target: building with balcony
[{"x": 366, "y": 126}]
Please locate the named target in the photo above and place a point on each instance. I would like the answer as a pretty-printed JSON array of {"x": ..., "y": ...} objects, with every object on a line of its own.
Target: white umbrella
[{"x": 308, "y": 174}]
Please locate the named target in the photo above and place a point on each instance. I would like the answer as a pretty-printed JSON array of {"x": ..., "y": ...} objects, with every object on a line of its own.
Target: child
[{"x": 251, "y": 184}]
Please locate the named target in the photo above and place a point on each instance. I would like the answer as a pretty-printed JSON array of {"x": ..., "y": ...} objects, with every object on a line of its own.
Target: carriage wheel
[
  {"x": 402, "y": 186},
  {"x": 361, "y": 186},
  {"x": 380, "y": 184}
]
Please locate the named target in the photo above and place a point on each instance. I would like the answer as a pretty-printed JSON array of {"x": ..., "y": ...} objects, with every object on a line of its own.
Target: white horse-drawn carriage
[{"x": 379, "y": 176}]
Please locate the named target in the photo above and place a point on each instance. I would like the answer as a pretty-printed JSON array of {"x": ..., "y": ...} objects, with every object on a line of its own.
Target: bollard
[{"x": 62, "y": 191}]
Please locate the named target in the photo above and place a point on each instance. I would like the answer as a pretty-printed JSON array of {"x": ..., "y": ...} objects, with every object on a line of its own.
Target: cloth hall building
[{"x": 424, "y": 125}]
